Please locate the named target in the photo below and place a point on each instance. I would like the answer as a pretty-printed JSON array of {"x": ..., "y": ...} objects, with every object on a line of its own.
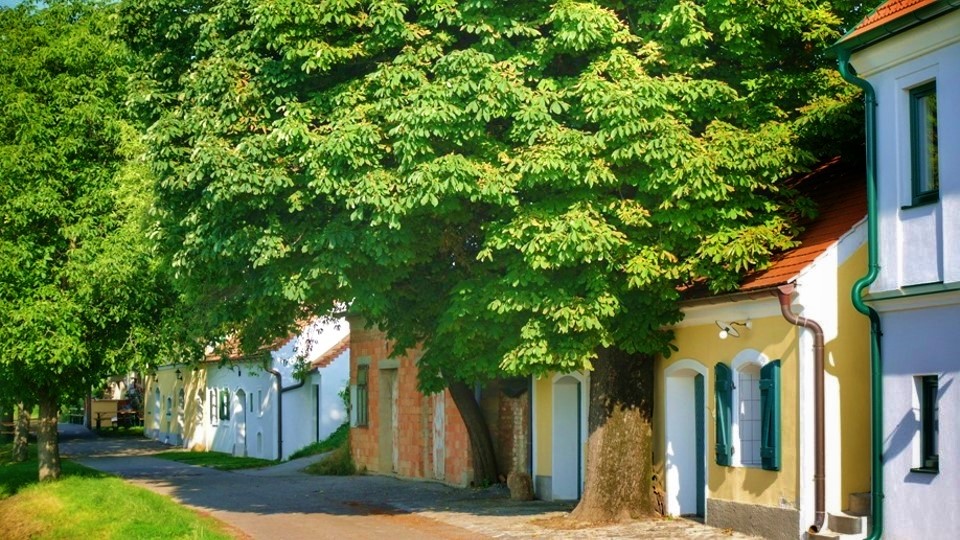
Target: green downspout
[{"x": 873, "y": 268}]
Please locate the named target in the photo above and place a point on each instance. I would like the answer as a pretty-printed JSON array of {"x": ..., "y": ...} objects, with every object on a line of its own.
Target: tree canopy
[
  {"x": 80, "y": 290},
  {"x": 514, "y": 184}
]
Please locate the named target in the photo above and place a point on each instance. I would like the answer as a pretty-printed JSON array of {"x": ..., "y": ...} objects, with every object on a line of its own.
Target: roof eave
[
  {"x": 853, "y": 42},
  {"x": 736, "y": 296}
]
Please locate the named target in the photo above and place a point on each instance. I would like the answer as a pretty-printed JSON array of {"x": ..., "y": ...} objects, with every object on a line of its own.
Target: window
[
  {"x": 224, "y": 404},
  {"x": 755, "y": 392},
  {"x": 924, "y": 153},
  {"x": 260, "y": 402},
  {"x": 213, "y": 407},
  {"x": 748, "y": 414},
  {"x": 363, "y": 373},
  {"x": 927, "y": 387}
]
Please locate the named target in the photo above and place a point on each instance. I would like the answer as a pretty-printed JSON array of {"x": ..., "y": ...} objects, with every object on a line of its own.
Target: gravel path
[{"x": 283, "y": 503}]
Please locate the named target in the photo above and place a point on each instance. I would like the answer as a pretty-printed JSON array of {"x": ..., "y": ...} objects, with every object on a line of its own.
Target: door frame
[{"x": 679, "y": 395}]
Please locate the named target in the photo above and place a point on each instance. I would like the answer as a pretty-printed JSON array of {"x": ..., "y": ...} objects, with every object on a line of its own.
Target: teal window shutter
[
  {"x": 770, "y": 416},
  {"x": 723, "y": 390},
  {"x": 224, "y": 404}
]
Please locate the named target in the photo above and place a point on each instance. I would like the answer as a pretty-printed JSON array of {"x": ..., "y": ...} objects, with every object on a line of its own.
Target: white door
[
  {"x": 567, "y": 439},
  {"x": 685, "y": 480}
]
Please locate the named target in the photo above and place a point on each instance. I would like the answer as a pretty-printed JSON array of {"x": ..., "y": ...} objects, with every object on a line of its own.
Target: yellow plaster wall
[
  {"x": 169, "y": 385},
  {"x": 193, "y": 382},
  {"x": 777, "y": 339},
  {"x": 543, "y": 400},
  {"x": 847, "y": 357}
]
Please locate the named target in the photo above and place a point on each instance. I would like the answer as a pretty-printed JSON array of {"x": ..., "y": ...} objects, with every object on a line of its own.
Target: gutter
[
  {"x": 783, "y": 295},
  {"x": 873, "y": 269},
  {"x": 280, "y": 391}
]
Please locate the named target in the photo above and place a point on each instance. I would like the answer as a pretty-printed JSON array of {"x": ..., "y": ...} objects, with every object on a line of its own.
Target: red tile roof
[
  {"x": 840, "y": 194},
  {"x": 886, "y": 12}
]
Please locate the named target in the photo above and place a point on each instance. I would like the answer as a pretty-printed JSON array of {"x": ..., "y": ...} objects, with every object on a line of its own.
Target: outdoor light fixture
[
  {"x": 727, "y": 328},
  {"x": 179, "y": 374}
]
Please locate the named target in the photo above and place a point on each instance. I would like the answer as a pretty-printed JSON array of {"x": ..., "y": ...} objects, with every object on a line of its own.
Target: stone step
[{"x": 844, "y": 523}]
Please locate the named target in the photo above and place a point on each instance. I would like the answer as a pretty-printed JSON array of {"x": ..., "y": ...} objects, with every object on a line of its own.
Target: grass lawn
[
  {"x": 89, "y": 504},
  {"x": 334, "y": 441},
  {"x": 216, "y": 460}
]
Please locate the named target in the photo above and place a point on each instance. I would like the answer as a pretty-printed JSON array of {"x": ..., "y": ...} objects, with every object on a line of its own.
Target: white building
[
  {"x": 238, "y": 406},
  {"x": 907, "y": 52}
]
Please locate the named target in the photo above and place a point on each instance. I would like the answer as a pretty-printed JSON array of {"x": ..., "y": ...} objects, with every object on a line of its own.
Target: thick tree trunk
[
  {"x": 620, "y": 441},
  {"x": 48, "y": 444},
  {"x": 484, "y": 459},
  {"x": 21, "y": 431}
]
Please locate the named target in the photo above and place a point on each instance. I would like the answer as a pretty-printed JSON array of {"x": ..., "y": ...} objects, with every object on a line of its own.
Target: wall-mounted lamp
[
  {"x": 239, "y": 373},
  {"x": 179, "y": 374},
  {"x": 728, "y": 328}
]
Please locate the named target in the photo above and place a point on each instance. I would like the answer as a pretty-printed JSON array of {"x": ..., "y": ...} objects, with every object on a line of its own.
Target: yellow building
[
  {"x": 734, "y": 425},
  {"x": 736, "y": 417}
]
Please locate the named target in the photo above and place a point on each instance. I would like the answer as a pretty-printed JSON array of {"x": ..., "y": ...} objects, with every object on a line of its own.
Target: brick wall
[{"x": 406, "y": 449}]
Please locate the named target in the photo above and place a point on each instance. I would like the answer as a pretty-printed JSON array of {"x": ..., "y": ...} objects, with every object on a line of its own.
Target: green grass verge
[
  {"x": 216, "y": 460},
  {"x": 339, "y": 462},
  {"x": 16, "y": 476},
  {"x": 334, "y": 441},
  {"x": 121, "y": 432},
  {"x": 86, "y": 503}
]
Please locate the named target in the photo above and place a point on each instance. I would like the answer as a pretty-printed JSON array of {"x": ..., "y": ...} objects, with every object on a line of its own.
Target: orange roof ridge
[
  {"x": 887, "y": 12},
  {"x": 332, "y": 353}
]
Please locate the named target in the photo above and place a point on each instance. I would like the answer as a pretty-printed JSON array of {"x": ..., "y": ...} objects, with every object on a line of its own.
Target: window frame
[
  {"x": 213, "y": 405},
  {"x": 739, "y": 429},
  {"x": 928, "y": 389},
  {"x": 918, "y": 195},
  {"x": 729, "y": 447},
  {"x": 363, "y": 396},
  {"x": 224, "y": 408}
]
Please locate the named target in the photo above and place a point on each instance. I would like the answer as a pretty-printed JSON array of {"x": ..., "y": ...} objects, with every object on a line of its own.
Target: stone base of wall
[
  {"x": 173, "y": 439},
  {"x": 754, "y": 519},
  {"x": 543, "y": 487}
]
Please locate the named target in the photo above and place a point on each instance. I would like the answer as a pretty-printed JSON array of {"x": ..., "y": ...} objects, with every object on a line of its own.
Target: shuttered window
[
  {"x": 723, "y": 393},
  {"x": 770, "y": 416},
  {"x": 213, "y": 407},
  {"x": 224, "y": 404},
  {"x": 770, "y": 424}
]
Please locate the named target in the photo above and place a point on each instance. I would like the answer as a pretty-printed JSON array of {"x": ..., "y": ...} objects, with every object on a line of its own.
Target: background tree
[
  {"x": 79, "y": 288},
  {"x": 522, "y": 187}
]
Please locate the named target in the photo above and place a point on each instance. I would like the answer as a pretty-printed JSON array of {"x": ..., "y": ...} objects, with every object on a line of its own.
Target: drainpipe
[
  {"x": 783, "y": 294},
  {"x": 280, "y": 391},
  {"x": 873, "y": 269}
]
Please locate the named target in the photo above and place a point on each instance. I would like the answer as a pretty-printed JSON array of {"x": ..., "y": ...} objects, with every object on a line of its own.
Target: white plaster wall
[
  {"x": 298, "y": 414},
  {"x": 918, "y": 245},
  {"x": 920, "y": 342},
  {"x": 334, "y": 378},
  {"x": 222, "y": 435}
]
